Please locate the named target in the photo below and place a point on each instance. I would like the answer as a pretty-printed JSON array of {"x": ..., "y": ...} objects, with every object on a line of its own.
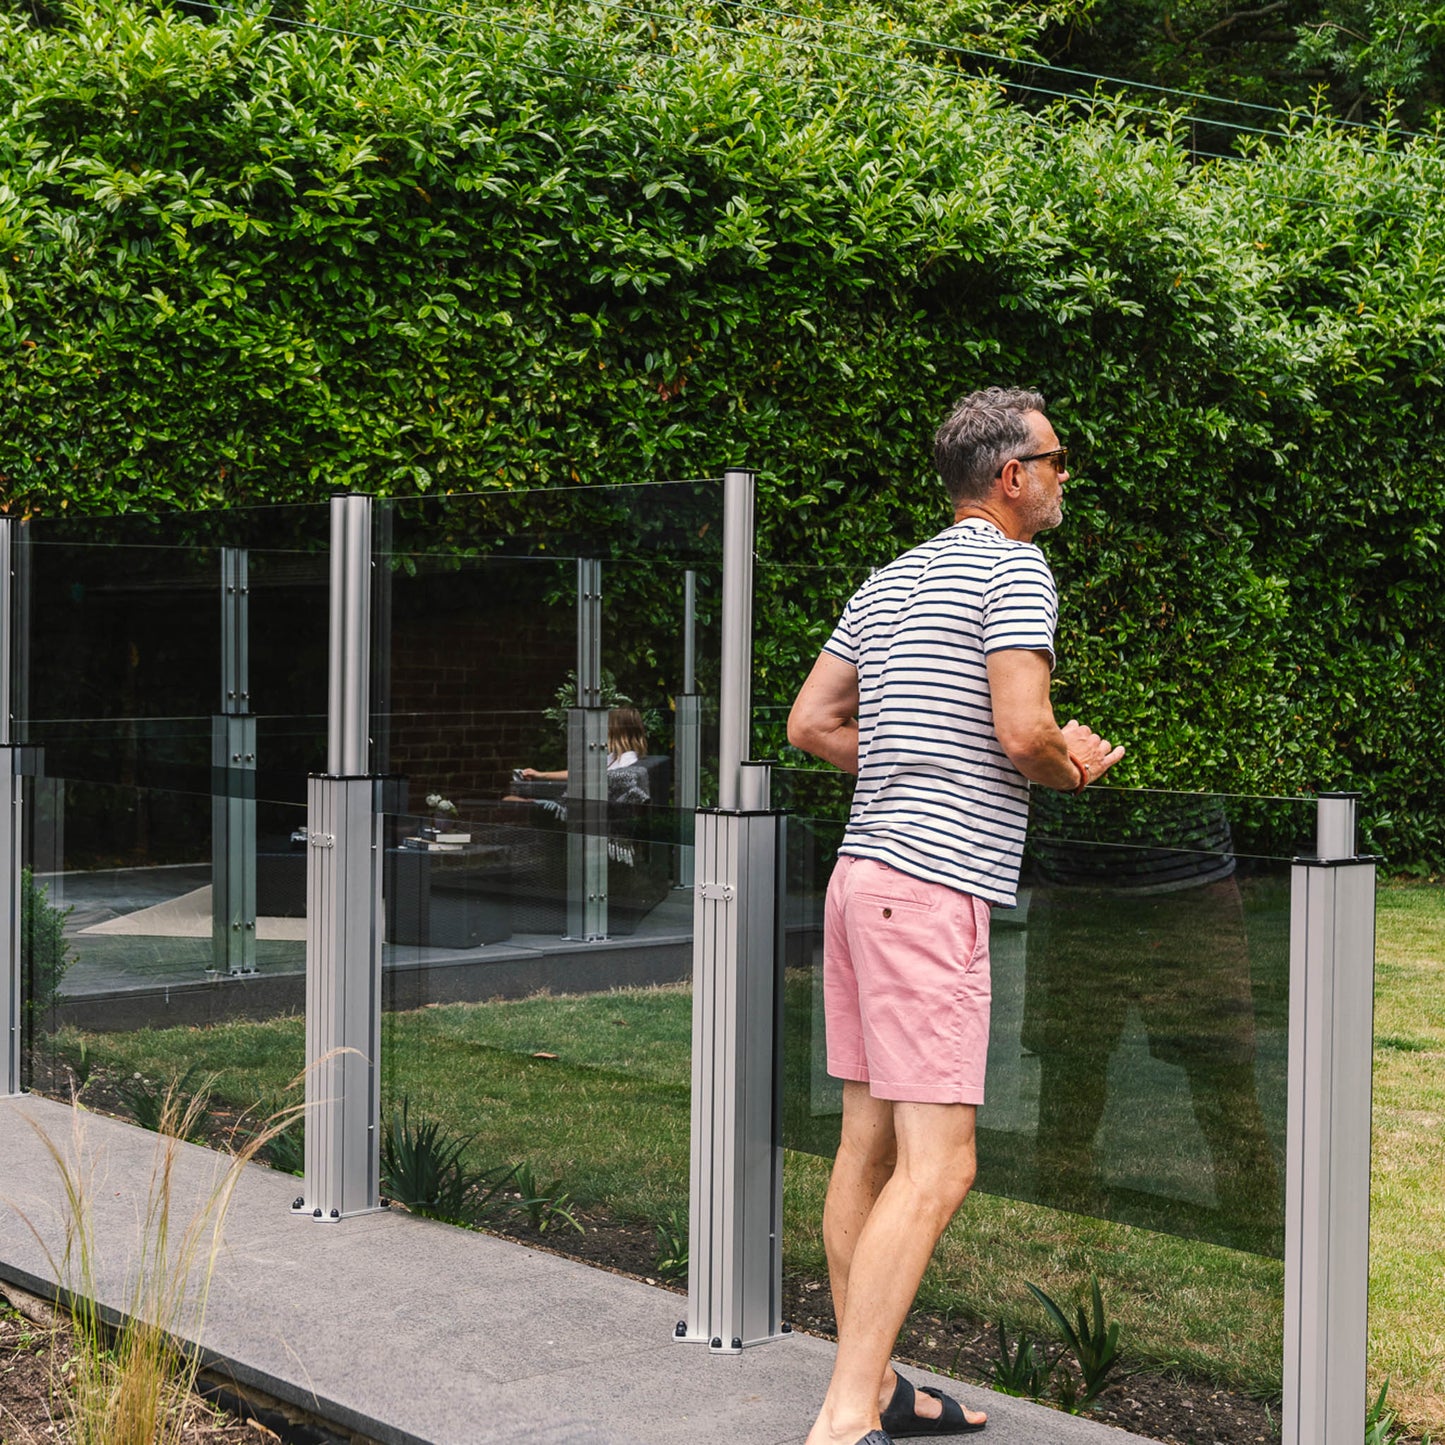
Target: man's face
[{"x": 1041, "y": 501}]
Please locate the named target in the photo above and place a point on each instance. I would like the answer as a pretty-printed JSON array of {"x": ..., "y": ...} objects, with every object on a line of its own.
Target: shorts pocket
[
  {"x": 982, "y": 918},
  {"x": 903, "y": 903}
]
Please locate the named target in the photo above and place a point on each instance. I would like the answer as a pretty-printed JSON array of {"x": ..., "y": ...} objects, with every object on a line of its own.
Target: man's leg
[
  {"x": 866, "y": 1155},
  {"x": 880, "y": 1264}
]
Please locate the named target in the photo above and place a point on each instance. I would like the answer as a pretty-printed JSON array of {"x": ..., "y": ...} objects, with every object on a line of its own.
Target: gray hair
[{"x": 982, "y": 432}]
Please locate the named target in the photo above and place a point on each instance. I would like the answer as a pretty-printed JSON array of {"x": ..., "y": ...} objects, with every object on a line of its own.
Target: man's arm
[
  {"x": 1023, "y": 719},
  {"x": 824, "y": 719}
]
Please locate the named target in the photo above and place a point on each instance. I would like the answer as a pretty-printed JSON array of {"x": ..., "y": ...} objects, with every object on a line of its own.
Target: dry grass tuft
[{"x": 129, "y": 1376}]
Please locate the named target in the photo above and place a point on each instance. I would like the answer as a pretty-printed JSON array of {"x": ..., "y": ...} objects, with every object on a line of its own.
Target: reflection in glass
[
  {"x": 1137, "y": 1058},
  {"x": 562, "y": 1049},
  {"x": 137, "y": 991},
  {"x": 1139, "y": 1010}
]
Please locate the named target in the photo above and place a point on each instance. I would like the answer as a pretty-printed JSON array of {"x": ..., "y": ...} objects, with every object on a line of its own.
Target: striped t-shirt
[{"x": 937, "y": 796}]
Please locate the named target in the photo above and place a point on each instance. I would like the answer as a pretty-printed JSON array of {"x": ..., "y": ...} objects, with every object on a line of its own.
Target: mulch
[{"x": 35, "y": 1357}]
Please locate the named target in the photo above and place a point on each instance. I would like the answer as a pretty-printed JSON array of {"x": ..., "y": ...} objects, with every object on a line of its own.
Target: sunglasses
[{"x": 1059, "y": 457}]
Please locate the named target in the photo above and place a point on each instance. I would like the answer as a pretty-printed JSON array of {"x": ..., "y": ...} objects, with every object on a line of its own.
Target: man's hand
[{"x": 1090, "y": 749}]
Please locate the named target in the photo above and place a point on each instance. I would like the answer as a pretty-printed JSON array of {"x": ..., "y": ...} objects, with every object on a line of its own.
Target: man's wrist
[{"x": 1082, "y": 769}]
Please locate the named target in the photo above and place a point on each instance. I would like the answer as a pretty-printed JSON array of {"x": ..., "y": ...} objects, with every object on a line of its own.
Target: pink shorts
[{"x": 905, "y": 985}]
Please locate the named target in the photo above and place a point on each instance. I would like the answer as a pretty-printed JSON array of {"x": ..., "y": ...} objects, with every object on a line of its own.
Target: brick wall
[{"x": 467, "y": 694}]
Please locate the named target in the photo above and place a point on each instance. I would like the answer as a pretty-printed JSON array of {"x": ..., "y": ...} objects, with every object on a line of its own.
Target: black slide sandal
[{"x": 900, "y": 1420}]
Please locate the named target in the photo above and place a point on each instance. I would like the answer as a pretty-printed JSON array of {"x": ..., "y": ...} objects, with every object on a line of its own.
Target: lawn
[
  {"x": 1407, "y": 1187},
  {"x": 593, "y": 1090}
]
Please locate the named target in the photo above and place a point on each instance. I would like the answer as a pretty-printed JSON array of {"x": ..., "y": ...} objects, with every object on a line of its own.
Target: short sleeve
[
  {"x": 1020, "y": 603},
  {"x": 843, "y": 644}
]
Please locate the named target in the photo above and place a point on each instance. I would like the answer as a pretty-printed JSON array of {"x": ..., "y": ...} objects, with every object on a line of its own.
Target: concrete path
[{"x": 416, "y": 1333}]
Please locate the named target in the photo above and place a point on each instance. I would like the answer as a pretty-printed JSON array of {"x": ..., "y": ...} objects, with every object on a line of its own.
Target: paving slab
[{"x": 417, "y": 1333}]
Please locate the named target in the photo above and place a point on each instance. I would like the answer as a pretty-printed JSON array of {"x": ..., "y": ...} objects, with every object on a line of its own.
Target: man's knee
[
  {"x": 950, "y": 1183},
  {"x": 872, "y": 1154},
  {"x": 938, "y": 1153},
  {"x": 868, "y": 1142}
]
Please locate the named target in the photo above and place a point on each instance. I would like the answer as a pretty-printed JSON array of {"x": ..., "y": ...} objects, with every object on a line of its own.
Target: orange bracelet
[{"x": 1083, "y": 775}]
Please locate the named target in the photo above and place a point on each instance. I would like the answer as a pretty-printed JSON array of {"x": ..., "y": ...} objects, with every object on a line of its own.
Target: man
[{"x": 934, "y": 689}]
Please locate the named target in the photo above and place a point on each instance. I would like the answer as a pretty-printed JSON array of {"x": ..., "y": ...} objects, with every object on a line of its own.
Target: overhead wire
[
  {"x": 904, "y": 38},
  {"x": 1072, "y": 97},
  {"x": 471, "y": 17},
  {"x": 997, "y": 57}
]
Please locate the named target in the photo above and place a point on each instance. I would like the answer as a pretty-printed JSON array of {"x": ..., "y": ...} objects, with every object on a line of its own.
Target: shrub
[
  {"x": 44, "y": 950},
  {"x": 251, "y": 263}
]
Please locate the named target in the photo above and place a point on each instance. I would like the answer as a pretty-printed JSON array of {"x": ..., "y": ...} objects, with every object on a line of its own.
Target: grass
[
  {"x": 593, "y": 1091},
  {"x": 1407, "y": 1189}
]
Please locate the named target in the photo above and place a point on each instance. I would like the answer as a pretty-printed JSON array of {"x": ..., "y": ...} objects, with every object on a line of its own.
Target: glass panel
[
  {"x": 120, "y": 673},
  {"x": 1138, "y": 1059},
  {"x": 561, "y": 1054},
  {"x": 811, "y": 598},
  {"x": 1136, "y": 1089},
  {"x": 128, "y": 991},
  {"x": 1139, "y": 1023}
]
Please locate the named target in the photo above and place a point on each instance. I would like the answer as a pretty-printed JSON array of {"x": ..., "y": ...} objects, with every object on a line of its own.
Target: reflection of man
[
  {"x": 1149, "y": 918},
  {"x": 934, "y": 689}
]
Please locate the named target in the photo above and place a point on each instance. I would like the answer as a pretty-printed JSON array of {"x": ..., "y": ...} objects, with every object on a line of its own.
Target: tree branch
[{"x": 1240, "y": 15}]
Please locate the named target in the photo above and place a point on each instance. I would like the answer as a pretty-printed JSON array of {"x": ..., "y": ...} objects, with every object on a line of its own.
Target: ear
[{"x": 1011, "y": 479}]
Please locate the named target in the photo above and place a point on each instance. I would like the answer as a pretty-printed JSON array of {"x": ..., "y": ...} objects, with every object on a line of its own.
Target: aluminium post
[
  {"x": 587, "y": 768},
  {"x": 1327, "y": 1186},
  {"x": 233, "y": 782},
  {"x": 11, "y": 804},
  {"x": 735, "y": 1195},
  {"x": 44, "y": 812},
  {"x": 687, "y": 732},
  {"x": 735, "y": 688},
  {"x": 343, "y": 904}
]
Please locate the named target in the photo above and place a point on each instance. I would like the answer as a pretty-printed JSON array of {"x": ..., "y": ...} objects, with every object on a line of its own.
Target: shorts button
[{"x": 888, "y": 913}]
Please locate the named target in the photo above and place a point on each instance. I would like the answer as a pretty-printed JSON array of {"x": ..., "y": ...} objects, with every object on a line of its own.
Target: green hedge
[{"x": 245, "y": 263}]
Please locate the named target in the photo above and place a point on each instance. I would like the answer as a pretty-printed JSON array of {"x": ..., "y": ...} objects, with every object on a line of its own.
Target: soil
[{"x": 35, "y": 1352}]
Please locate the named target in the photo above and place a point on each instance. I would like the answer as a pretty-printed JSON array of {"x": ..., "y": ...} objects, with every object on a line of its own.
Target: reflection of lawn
[{"x": 609, "y": 1115}]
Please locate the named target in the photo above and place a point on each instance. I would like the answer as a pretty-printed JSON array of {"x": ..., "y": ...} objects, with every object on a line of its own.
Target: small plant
[
  {"x": 422, "y": 1168},
  {"x": 672, "y": 1247},
  {"x": 159, "y": 1107},
  {"x": 1380, "y": 1422},
  {"x": 127, "y": 1384},
  {"x": 287, "y": 1149},
  {"x": 545, "y": 1205},
  {"x": 1024, "y": 1372},
  {"x": 1093, "y": 1344},
  {"x": 80, "y": 1068},
  {"x": 26, "y": 1337},
  {"x": 566, "y": 696},
  {"x": 46, "y": 955}
]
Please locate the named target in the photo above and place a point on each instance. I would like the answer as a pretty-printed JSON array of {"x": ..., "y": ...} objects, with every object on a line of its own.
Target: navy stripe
[{"x": 937, "y": 797}]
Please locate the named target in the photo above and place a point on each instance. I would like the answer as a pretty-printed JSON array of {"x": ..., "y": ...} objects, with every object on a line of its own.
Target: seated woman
[{"x": 626, "y": 747}]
